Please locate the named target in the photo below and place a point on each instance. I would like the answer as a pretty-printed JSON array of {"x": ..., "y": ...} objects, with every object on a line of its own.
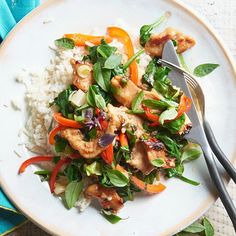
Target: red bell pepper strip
[
  {"x": 55, "y": 172},
  {"x": 108, "y": 154},
  {"x": 82, "y": 39},
  {"x": 150, "y": 116},
  {"x": 34, "y": 160},
  {"x": 122, "y": 36},
  {"x": 66, "y": 122},
  {"x": 149, "y": 188},
  {"x": 53, "y": 133}
]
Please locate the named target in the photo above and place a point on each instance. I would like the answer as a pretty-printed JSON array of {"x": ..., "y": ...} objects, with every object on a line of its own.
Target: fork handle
[
  {"x": 218, "y": 152},
  {"x": 219, "y": 184}
]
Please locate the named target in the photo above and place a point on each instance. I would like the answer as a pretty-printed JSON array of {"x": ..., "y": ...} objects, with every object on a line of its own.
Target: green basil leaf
[
  {"x": 62, "y": 101},
  {"x": 169, "y": 114},
  {"x": 117, "y": 178},
  {"x": 65, "y": 43},
  {"x": 148, "y": 77},
  {"x": 158, "y": 162},
  {"x": 102, "y": 76},
  {"x": 72, "y": 173},
  {"x": 191, "y": 152},
  {"x": 171, "y": 145},
  {"x": 60, "y": 144},
  {"x": 209, "y": 229},
  {"x": 204, "y": 69},
  {"x": 90, "y": 97},
  {"x": 92, "y": 133},
  {"x": 155, "y": 104},
  {"x": 72, "y": 193},
  {"x": 113, "y": 219},
  {"x": 93, "y": 169},
  {"x": 113, "y": 61},
  {"x": 194, "y": 228},
  {"x": 99, "y": 101},
  {"x": 175, "y": 125},
  {"x": 145, "y": 30},
  {"x": 137, "y": 101}
]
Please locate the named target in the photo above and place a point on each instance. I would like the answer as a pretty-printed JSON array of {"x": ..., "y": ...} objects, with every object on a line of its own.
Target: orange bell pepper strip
[
  {"x": 123, "y": 140},
  {"x": 184, "y": 105},
  {"x": 53, "y": 133},
  {"x": 108, "y": 154},
  {"x": 34, "y": 160},
  {"x": 55, "y": 172},
  {"x": 149, "y": 188},
  {"x": 81, "y": 39},
  {"x": 122, "y": 36},
  {"x": 66, "y": 122}
]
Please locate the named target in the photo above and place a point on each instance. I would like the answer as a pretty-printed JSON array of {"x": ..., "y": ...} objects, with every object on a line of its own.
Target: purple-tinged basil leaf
[
  {"x": 89, "y": 113},
  {"x": 106, "y": 139}
]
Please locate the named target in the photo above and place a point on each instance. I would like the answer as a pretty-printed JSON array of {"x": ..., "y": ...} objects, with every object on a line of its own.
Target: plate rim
[{"x": 208, "y": 201}]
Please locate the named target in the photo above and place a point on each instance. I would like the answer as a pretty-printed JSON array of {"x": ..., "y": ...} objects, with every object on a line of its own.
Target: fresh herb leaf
[
  {"x": 62, "y": 101},
  {"x": 155, "y": 104},
  {"x": 204, "y": 69},
  {"x": 194, "y": 228},
  {"x": 168, "y": 114},
  {"x": 145, "y": 31},
  {"x": 72, "y": 193},
  {"x": 92, "y": 133},
  {"x": 175, "y": 125},
  {"x": 99, "y": 101},
  {"x": 131, "y": 137},
  {"x": 113, "y": 219},
  {"x": 112, "y": 61},
  {"x": 60, "y": 144},
  {"x": 117, "y": 178},
  {"x": 93, "y": 169},
  {"x": 191, "y": 152},
  {"x": 90, "y": 96},
  {"x": 137, "y": 101},
  {"x": 102, "y": 76},
  {"x": 44, "y": 174},
  {"x": 158, "y": 162},
  {"x": 65, "y": 43},
  {"x": 148, "y": 77},
  {"x": 72, "y": 172},
  {"x": 172, "y": 146},
  {"x": 209, "y": 229}
]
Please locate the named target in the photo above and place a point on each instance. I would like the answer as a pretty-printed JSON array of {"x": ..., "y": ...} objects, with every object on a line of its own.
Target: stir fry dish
[{"x": 118, "y": 129}]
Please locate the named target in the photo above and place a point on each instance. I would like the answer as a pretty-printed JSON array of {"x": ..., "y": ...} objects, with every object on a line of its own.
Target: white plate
[{"x": 27, "y": 46}]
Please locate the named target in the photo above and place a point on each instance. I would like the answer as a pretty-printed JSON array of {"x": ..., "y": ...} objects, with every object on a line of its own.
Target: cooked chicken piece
[
  {"x": 125, "y": 91},
  {"x": 82, "y": 74},
  {"x": 155, "y": 44},
  {"x": 119, "y": 118},
  {"x": 186, "y": 127},
  {"x": 139, "y": 158},
  {"x": 156, "y": 149},
  {"x": 107, "y": 197},
  {"x": 86, "y": 149}
]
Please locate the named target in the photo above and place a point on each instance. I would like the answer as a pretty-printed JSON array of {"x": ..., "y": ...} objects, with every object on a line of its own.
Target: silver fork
[{"x": 207, "y": 128}]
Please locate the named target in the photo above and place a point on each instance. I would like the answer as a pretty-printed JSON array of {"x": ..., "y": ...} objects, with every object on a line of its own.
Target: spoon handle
[
  {"x": 219, "y": 184},
  {"x": 218, "y": 152}
]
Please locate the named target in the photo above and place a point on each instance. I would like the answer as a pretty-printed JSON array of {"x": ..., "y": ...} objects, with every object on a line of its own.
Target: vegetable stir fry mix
[{"x": 116, "y": 132}]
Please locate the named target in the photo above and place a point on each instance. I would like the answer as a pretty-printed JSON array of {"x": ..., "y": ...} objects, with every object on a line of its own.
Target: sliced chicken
[
  {"x": 156, "y": 43},
  {"x": 186, "y": 127},
  {"x": 107, "y": 197},
  {"x": 119, "y": 118},
  {"x": 86, "y": 149},
  {"x": 155, "y": 149},
  {"x": 125, "y": 92},
  {"x": 139, "y": 158},
  {"x": 82, "y": 74}
]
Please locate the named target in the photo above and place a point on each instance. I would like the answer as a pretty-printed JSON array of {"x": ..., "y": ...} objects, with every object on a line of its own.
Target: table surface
[{"x": 222, "y": 16}]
